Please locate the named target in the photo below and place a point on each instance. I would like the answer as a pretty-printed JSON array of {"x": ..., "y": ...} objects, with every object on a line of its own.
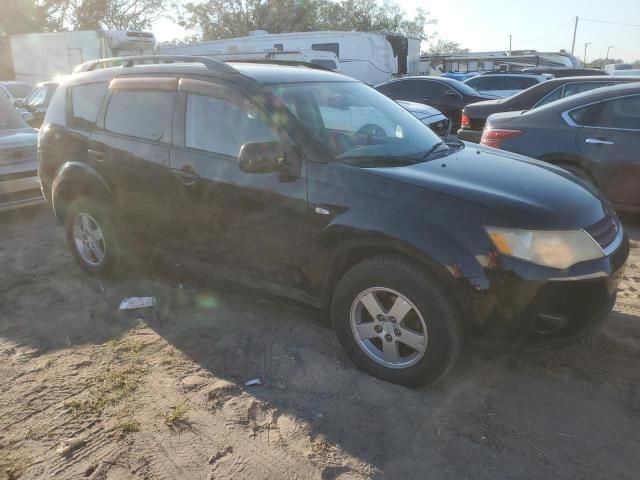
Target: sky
[{"x": 544, "y": 25}]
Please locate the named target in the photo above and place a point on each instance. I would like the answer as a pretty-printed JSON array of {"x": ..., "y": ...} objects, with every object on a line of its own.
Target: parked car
[
  {"x": 18, "y": 163},
  {"x": 504, "y": 84},
  {"x": 460, "y": 76},
  {"x": 37, "y": 102},
  {"x": 595, "y": 135},
  {"x": 432, "y": 118},
  {"x": 475, "y": 115},
  {"x": 13, "y": 90},
  {"x": 445, "y": 94},
  {"x": 565, "y": 72},
  {"x": 415, "y": 245}
]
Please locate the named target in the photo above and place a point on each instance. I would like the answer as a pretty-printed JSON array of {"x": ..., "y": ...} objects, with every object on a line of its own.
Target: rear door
[
  {"x": 130, "y": 148},
  {"x": 249, "y": 222},
  {"x": 609, "y": 140}
]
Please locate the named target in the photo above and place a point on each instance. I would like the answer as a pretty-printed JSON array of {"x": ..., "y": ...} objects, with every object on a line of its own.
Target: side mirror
[
  {"x": 19, "y": 103},
  {"x": 261, "y": 157},
  {"x": 26, "y": 116}
]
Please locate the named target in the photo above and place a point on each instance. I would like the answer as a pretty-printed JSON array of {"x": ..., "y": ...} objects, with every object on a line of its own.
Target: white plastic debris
[
  {"x": 132, "y": 303},
  {"x": 255, "y": 381}
]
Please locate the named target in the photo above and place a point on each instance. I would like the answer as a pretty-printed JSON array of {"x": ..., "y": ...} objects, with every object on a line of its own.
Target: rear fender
[{"x": 75, "y": 179}]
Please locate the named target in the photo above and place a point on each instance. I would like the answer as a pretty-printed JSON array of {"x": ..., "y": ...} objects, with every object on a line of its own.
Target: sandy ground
[{"x": 87, "y": 391}]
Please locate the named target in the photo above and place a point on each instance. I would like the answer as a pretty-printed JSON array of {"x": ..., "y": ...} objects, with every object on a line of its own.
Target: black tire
[
  {"x": 111, "y": 264},
  {"x": 440, "y": 313}
]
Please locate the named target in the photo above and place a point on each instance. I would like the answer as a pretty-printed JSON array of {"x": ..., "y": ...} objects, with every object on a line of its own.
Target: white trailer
[
  {"x": 323, "y": 59},
  {"x": 39, "y": 57},
  {"x": 370, "y": 57}
]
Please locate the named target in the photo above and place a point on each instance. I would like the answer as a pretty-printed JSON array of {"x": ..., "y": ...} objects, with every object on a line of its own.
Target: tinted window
[
  {"x": 18, "y": 90},
  {"x": 552, "y": 97},
  {"x": 574, "y": 88},
  {"x": 146, "y": 114},
  {"x": 325, "y": 63},
  {"x": 619, "y": 113},
  {"x": 9, "y": 118},
  {"x": 223, "y": 125},
  {"x": 327, "y": 47},
  {"x": 479, "y": 83},
  {"x": 84, "y": 104}
]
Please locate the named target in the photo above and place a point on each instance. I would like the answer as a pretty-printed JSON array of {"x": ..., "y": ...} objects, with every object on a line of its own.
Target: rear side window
[
  {"x": 623, "y": 113},
  {"x": 575, "y": 88},
  {"x": 145, "y": 114},
  {"x": 84, "y": 104}
]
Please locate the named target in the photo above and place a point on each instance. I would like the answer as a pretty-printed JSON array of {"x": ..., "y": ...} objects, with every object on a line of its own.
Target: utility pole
[
  {"x": 575, "y": 30},
  {"x": 509, "y": 44},
  {"x": 608, "y": 48},
  {"x": 585, "y": 53}
]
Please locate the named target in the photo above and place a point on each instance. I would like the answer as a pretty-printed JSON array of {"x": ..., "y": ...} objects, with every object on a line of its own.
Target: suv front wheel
[
  {"x": 396, "y": 322},
  {"x": 92, "y": 237}
]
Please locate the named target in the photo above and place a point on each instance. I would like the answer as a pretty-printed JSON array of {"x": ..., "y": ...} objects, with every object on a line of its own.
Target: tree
[
  {"x": 601, "y": 62},
  {"x": 439, "y": 46},
  {"x": 214, "y": 19}
]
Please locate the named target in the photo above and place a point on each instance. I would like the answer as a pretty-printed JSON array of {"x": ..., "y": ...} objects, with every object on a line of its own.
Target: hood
[
  {"x": 419, "y": 108},
  {"x": 529, "y": 193},
  {"x": 22, "y": 137}
]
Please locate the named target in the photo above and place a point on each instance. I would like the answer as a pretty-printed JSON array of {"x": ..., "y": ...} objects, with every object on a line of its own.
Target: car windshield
[
  {"x": 18, "y": 90},
  {"x": 355, "y": 121},
  {"x": 9, "y": 117}
]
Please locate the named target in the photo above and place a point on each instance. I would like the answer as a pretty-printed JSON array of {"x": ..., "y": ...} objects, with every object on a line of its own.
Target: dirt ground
[{"x": 88, "y": 391}]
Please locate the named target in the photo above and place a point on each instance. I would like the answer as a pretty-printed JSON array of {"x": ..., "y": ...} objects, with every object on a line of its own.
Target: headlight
[{"x": 552, "y": 248}]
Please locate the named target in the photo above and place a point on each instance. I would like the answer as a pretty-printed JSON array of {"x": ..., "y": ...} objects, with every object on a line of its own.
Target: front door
[
  {"x": 256, "y": 223},
  {"x": 609, "y": 141}
]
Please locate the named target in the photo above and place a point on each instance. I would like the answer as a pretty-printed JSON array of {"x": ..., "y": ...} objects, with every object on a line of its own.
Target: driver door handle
[
  {"x": 597, "y": 141},
  {"x": 186, "y": 175}
]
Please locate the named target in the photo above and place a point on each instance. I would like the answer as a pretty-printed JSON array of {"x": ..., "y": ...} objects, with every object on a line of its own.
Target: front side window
[
  {"x": 84, "y": 104},
  {"x": 221, "y": 125},
  {"x": 19, "y": 90},
  {"x": 146, "y": 114},
  {"x": 353, "y": 120}
]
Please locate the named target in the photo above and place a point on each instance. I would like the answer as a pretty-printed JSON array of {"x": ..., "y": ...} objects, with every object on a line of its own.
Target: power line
[
  {"x": 552, "y": 33},
  {"x": 610, "y": 23}
]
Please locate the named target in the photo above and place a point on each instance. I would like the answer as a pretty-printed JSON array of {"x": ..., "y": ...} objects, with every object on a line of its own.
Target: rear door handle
[
  {"x": 597, "y": 141},
  {"x": 97, "y": 155}
]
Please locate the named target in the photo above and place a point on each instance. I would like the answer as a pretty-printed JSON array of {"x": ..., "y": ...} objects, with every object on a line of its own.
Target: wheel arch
[{"x": 75, "y": 179}]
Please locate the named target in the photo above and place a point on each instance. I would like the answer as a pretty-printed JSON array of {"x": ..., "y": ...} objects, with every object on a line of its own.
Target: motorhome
[
  {"x": 370, "y": 57},
  {"x": 39, "y": 57},
  {"x": 514, "y": 60}
]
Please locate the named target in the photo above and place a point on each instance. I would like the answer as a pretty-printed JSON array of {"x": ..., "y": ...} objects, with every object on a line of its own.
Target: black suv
[{"x": 266, "y": 172}]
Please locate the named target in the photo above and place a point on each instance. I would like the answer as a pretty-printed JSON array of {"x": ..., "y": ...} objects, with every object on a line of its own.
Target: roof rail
[
  {"x": 210, "y": 63},
  {"x": 290, "y": 63}
]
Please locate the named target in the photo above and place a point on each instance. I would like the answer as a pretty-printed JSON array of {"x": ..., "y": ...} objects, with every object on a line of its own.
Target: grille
[
  {"x": 18, "y": 154},
  {"x": 604, "y": 231}
]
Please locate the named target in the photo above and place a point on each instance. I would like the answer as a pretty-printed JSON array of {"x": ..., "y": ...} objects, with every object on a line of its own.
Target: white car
[
  {"x": 504, "y": 84},
  {"x": 14, "y": 90},
  {"x": 19, "y": 184}
]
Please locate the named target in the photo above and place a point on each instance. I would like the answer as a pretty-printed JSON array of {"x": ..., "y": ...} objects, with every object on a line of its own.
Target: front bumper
[
  {"x": 467, "y": 135},
  {"x": 531, "y": 308}
]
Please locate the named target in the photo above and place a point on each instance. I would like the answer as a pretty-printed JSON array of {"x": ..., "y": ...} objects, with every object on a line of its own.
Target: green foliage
[{"x": 214, "y": 19}]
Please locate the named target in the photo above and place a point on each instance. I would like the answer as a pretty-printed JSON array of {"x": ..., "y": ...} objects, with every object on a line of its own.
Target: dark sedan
[
  {"x": 447, "y": 95},
  {"x": 475, "y": 115},
  {"x": 595, "y": 135}
]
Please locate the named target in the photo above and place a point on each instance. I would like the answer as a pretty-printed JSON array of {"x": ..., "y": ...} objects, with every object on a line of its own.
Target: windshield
[
  {"x": 18, "y": 90},
  {"x": 9, "y": 117},
  {"x": 354, "y": 120}
]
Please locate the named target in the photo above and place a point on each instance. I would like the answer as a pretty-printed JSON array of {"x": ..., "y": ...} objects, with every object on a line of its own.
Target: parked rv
[
  {"x": 369, "y": 57},
  {"x": 39, "y": 57}
]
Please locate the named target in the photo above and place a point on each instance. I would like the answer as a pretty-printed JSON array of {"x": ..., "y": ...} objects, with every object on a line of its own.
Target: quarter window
[
  {"x": 146, "y": 114},
  {"x": 222, "y": 125},
  {"x": 84, "y": 104}
]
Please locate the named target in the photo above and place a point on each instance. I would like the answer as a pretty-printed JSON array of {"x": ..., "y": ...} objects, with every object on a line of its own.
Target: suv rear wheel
[
  {"x": 92, "y": 237},
  {"x": 396, "y": 322}
]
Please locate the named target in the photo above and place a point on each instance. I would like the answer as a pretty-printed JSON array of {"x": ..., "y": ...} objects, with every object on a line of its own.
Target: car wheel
[
  {"x": 396, "y": 322},
  {"x": 92, "y": 237}
]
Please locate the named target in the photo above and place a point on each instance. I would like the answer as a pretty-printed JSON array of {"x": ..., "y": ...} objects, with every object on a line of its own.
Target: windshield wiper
[
  {"x": 432, "y": 149},
  {"x": 376, "y": 160}
]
